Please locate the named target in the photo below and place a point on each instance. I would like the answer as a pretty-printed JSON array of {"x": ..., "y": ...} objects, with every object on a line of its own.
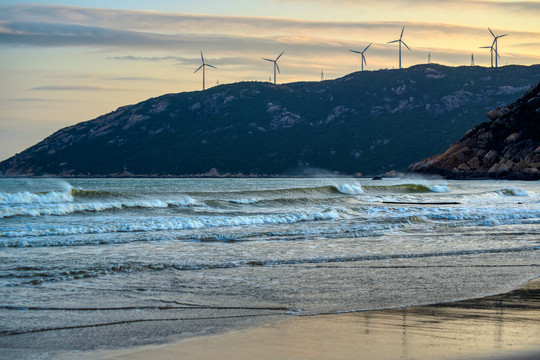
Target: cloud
[
  {"x": 32, "y": 19},
  {"x": 28, "y": 99},
  {"x": 74, "y": 88},
  {"x": 521, "y": 6},
  {"x": 131, "y": 78},
  {"x": 62, "y": 35},
  {"x": 234, "y": 40},
  {"x": 152, "y": 58}
]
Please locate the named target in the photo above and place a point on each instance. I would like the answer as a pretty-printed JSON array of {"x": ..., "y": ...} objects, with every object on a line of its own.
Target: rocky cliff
[
  {"x": 507, "y": 147},
  {"x": 369, "y": 122}
]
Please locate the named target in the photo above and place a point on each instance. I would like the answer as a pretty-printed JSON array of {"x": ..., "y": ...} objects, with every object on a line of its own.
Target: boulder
[{"x": 508, "y": 147}]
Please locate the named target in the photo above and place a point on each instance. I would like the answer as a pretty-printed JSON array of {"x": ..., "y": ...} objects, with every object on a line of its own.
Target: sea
[{"x": 103, "y": 263}]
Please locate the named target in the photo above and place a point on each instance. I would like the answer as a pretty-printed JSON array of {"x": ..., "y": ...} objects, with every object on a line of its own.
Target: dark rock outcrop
[{"x": 507, "y": 147}]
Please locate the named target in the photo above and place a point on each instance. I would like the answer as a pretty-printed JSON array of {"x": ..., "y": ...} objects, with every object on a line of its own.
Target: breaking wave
[
  {"x": 39, "y": 208},
  {"x": 175, "y": 223},
  {"x": 407, "y": 188},
  {"x": 354, "y": 189},
  {"x": 513, "y": 192},
  {"x": 244, "y": 201},
  {"x": 33, "y": 198}
]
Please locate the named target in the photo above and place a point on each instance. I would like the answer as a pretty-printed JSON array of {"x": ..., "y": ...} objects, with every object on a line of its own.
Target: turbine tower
[
  {"x": 494, "y": 44},
  {"x": 400, "y": 42},
  {"x": 275, "y": 65},
  {"x": 363, "y": 56},
  {"x": 490, "y": 52},
  {"x": 203, "y": 66}
]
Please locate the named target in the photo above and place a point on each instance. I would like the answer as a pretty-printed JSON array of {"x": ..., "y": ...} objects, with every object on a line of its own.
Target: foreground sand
[{"x": 498, "y": 327}]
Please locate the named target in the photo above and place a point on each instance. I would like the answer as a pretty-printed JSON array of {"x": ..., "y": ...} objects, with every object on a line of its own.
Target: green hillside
[{"x": 368, "y": 122}]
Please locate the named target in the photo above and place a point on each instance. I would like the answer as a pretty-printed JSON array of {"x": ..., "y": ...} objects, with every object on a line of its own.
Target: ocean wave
[
  {"x": 354, "y": 189},
  {"x": 37, "y": 275},
  {"x": 65, "y": 208},
  {"x": 513, "y": 192},
  {"x": 161, "y": 224},
  {"x": 407, "y": 188},
  {"x": 244, "y": 201},
  {"x": 438, "y": 188},
  {"x": 496, "y": 196},
  {"x": 487, "y": 216},
  {"x": 27, "y": 197},
  {"x": 82, "y": 193}
]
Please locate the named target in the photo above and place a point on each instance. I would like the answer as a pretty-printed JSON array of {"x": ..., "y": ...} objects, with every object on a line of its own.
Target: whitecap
[
  {"x": 354, "y": 189},
  {"x": 30, "y": 198},
  {"x": 160, "y": 224},
  {"x": 514, "y": 192},
  {"x": 244, "y": 201},
  {"x": 438, "y": 188}
]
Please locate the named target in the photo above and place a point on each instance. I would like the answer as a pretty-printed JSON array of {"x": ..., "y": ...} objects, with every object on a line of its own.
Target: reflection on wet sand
[{"x": 497, "y": 327}]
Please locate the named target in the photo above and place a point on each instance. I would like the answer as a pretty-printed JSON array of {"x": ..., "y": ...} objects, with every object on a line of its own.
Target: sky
[{"x": 63, "y": 62}]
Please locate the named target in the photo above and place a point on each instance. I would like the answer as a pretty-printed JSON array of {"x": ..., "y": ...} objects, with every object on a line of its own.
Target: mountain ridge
[{"x": 369, "y": 122}]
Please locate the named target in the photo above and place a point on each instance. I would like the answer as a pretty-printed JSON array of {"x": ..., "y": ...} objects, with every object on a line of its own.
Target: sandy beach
[{"x": 503, "y": 326}]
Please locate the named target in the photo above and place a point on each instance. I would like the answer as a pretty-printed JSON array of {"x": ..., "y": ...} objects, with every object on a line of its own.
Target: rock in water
[{"x": 507, "y": 147}]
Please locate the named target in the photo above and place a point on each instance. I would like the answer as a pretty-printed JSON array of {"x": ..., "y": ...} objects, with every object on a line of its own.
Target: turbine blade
[
  {"x": 393, "y": 41},
  {"x": 367, "y": 47},
  {"x": 212, "y": 66},
  {"x": 354, "y": 51},
  {"x": 403, "y": 42},
  {"x": 485, "y": 47},
  {"x": 491, "y": 32},
  {"x": 202, "y": 57},
  {"x": 268, "y": 59},
  {"x": 500, "y": 36},
  {"x": 277, "y": 67},
  {"x": 199, "y": 68},
  {"x": 280, "y": 55},
  {"x": 364, "y": 59},
  {"x": 402, "y": 30}
]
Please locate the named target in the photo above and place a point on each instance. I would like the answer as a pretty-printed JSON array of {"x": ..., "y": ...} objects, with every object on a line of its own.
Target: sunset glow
[{"x": 63, "y": 62}]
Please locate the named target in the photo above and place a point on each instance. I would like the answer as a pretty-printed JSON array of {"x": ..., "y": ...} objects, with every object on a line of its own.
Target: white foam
[
  {"x": 244, "y": 201},
  {"x": 40, "y": 198},
  {"x": 514, "y": 192},
  {"x": 155, "y": 224},
  {"x": 354, "y": 189},
  {"x": 68, "y": 207},
  {"x": 438, "y": 188}
]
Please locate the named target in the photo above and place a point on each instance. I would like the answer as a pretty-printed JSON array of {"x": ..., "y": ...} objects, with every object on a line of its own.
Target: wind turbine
[
  {"x": 400, "y": 42},
  {"x": 275, "y": 65},
  {"x": 494, "y": 44},
  {"x": 363, "y": 57},
  {"x": 203, "y": 66},
  {"x": 491, "y": 50}
]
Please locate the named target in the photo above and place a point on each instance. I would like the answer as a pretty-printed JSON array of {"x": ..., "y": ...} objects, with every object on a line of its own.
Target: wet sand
[{"x": 504, "y": 326}]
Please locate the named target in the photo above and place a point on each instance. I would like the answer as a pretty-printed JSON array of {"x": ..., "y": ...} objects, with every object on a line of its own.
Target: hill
[
  {"x": 507, "y": 147},
  {"x": 368, "y": 122}
]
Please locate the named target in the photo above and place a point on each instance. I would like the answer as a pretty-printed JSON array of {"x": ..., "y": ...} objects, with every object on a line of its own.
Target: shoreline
[{"x": 505, "y": 326}]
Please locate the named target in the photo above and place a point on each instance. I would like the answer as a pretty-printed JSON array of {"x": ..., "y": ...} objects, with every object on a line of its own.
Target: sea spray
[
  {"x": 354, "y": 189},
  {"x": 514, "y": 192},
  {"x": 33, "y": 198}
]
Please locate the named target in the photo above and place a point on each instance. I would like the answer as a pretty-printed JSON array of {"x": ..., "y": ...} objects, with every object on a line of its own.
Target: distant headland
[{"x": 368, "y": 123}]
